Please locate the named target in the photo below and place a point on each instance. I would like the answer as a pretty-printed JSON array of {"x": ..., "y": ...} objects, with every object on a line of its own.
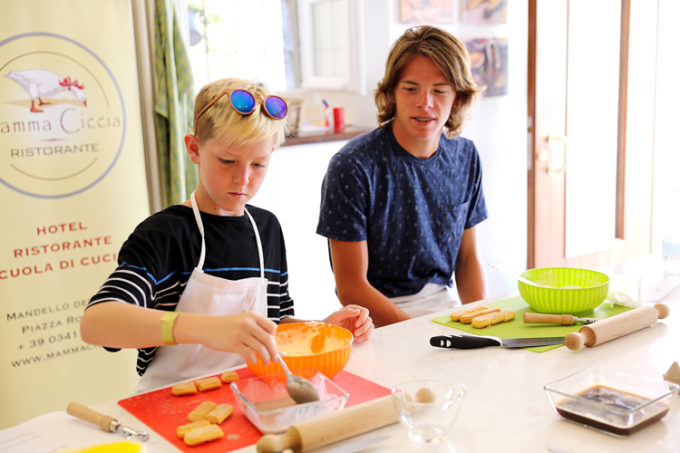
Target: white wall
[
  {"x": 497, "y": 125},
  {"x": 666, "y": 212},
  {"x": 499, "y": 129},
  {"x": 292, "y": 190}
]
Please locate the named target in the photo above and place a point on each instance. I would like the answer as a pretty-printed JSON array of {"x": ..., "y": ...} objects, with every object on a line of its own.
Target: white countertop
[{"x": 505, "y": 408}]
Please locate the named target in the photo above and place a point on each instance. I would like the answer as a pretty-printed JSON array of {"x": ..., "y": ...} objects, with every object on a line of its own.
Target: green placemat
[{"x": 517, "y": 329}]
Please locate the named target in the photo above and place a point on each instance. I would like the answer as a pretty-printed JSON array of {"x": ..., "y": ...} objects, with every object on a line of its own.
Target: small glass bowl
[
  {"x": 612, "y": 402},
  {"x": 265, "y": 402},
  {"x": 428, "y": 408}
]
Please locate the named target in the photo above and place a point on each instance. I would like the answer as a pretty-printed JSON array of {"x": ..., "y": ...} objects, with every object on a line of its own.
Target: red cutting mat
[{"x": 163, "y": 412}]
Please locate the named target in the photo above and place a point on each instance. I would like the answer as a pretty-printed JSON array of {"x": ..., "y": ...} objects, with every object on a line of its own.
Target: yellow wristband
[{"x": 167, "y": 324}]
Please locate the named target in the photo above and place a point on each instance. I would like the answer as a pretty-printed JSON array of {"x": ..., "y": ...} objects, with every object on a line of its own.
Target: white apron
[
  {"x": 433, "y": 297},
  {"x": 211, "y": 295}
]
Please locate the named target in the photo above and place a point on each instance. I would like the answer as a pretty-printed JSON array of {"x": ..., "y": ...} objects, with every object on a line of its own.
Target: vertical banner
[{"x": 73, "y": 186}]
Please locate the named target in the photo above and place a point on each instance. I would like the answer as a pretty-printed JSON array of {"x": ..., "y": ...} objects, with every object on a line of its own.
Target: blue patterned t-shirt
[{"x": 410, "y": 211}]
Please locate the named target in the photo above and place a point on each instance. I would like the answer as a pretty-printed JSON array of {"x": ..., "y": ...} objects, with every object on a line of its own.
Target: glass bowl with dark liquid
[{"x": 613, "y": 402}]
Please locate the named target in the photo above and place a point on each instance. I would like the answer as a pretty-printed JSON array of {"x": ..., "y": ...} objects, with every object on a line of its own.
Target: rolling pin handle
[
  {"x": 662, "y": 310},
  {"x": 271, "y": 443},
  {"x": 573, "y": 341},
  {"x": 105, "y": 422},
  {"x": 565, "y": 320}
]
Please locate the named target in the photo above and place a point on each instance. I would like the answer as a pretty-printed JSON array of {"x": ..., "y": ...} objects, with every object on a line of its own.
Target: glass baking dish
[
  {"x": 265, "y": 402},
  {"x": 612, "y": 402}
]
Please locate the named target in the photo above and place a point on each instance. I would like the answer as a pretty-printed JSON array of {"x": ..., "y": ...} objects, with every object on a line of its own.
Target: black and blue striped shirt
[{"x": 157, "y": 259}]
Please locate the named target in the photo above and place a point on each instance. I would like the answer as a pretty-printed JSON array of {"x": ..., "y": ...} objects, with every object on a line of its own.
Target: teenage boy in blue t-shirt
[{"x": 399, "y": 204}]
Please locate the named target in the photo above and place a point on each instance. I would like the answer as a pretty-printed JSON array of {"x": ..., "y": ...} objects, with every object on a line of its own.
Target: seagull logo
[{"x": 41, "y": 85}]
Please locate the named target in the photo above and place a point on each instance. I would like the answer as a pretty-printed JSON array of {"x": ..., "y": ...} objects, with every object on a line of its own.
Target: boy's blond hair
[
  {"x": 220, "y": 119},
  {"x": 445, "y": 51}
]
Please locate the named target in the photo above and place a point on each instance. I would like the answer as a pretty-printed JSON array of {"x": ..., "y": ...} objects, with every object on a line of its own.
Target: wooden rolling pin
[
  {"x": 616, "y": 326},
  {"x": 333, "y": 427}
]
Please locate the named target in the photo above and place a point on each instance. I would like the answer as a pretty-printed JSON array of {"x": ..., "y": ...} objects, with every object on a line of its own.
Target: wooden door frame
[
  {"x": 623, "y": 122},
  {"x": 531, "y": 136}
]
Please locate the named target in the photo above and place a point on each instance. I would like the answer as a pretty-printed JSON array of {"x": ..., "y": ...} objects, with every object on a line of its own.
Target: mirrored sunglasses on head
[{"x": 243, "y": 103}]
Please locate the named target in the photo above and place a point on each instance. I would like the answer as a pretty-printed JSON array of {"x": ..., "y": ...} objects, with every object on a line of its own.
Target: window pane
[
  {"x": 241, "y": 38},
  {"x": 329, "y": 37}
]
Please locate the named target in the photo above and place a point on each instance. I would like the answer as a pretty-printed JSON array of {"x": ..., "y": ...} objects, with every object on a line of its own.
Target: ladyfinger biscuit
[
  {"x": 203, "y": 434},
  {"x": 467, "y": 319},
  {"x": 492, "y": 318},
  {"x": 183, "y": 429},
  {"x": 184, "y": 388},
  {"x": 201, "y": 411},
  {"x": 210, "y": 383},
  {"x": 455, "y": 316},
  {"x": 220, "y": 413},
  {"x": 229, "y": 376}
]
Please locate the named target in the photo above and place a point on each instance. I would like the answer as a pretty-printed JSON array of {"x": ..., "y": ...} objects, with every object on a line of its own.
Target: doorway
[{"x": 592, "y": 69}]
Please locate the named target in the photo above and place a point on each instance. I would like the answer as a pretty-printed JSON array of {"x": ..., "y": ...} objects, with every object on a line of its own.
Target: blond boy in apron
[{"x": 200, "y": 286}]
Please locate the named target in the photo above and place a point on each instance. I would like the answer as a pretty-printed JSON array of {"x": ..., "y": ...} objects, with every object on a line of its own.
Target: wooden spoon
[{"x": 299, "y": 388}]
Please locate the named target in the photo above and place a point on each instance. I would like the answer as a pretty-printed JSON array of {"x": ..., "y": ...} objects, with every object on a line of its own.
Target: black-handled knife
[{"x": 478, "y": 341}]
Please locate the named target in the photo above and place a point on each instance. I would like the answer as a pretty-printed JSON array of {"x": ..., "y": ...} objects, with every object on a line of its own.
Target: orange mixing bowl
[{"x": 317, "y": 345}]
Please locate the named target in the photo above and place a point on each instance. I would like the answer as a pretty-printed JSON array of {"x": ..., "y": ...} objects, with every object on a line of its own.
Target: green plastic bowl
[{"x": 571, "y": 291}]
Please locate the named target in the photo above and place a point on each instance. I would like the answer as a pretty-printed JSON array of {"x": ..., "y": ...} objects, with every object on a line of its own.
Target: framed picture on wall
[
  {"x": 489, "y": 64},
  {"x": 481, "y": 12},
  {"x": 427, "y": 11}
]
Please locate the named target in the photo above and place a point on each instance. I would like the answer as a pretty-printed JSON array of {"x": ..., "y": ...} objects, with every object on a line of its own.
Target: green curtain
[{"x": 174, "y": 104}]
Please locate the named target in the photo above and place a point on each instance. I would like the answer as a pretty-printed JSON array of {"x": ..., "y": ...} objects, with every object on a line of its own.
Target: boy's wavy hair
[
  {"x": 445, "y": 51},
  {"x": 220, "y": 120}
]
